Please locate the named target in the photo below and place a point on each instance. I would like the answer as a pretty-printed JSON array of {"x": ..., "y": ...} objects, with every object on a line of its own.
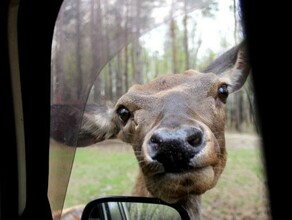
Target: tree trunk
[
  {"x": 235, "y": 21},
  {"x": 137, "y": 46},
  {"x": 239, "y": 111},
  {"x": 173, "y": 40},
  {"x": 186, "y": 43},
  {"x": 59, "y": 61},
  {"x": 109, "y": 78},
  {"x": 96, "y": 46},
  {"x": 119, "y": 77},
  {"x": 126, "y": 74},
  {"x": 79, "y": 78},
  {"x": 173, "y": 46},
  {"x": 126, "y": 52}
]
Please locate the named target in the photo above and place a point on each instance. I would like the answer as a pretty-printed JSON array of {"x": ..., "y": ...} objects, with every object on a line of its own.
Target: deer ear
[
  {"x": 233, "y": 66},
  {"x": 71, "y": 128},
  {"x": 239, "y": 72},
  {"x": 98, "y": 124}
]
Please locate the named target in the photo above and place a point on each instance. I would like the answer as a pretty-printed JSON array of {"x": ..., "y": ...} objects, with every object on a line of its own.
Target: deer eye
[
  {"x": 124, "y": 114},
  {"x": 223, "y": 92}
]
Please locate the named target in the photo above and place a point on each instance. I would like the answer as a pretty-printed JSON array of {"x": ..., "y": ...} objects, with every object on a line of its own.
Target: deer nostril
[
  {"x": 175, "y": 148},
  {"x": 156, "y": 140},
  {"x": 195, "y": 140},
  {"x": 155, "y": 143}
]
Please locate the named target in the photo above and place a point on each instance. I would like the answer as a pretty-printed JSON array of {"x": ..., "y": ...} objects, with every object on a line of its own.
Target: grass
[
  {"x": 101, "y": 171},
  {"x": 111, "y": 170},
  {"x": 241, "y": 191}
]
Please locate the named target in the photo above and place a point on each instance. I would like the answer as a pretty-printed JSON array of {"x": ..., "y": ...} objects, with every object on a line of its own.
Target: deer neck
[
  {"x": 192, "y": 203},
  {"x": 193, "y": 206}
]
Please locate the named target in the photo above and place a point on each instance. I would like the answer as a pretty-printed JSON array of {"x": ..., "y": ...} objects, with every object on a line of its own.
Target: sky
[{"x": 211, "y": 30}]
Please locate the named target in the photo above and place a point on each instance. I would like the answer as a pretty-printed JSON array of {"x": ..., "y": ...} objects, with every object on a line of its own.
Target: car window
[{"x": 101, "y": 48}]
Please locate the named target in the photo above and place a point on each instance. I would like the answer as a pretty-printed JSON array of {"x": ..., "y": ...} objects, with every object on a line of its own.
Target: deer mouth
[
  {"x": 179, "y": 172},
  {"x": 175, "y": 186},
  {"x": 179, "y": 161}
]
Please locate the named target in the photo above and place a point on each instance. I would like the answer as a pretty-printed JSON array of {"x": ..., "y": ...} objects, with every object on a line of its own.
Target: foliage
[{"x": 100, "y": 50}]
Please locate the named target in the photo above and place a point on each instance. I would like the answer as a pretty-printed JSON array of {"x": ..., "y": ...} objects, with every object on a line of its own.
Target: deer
[{"x": 176, "y": 127}]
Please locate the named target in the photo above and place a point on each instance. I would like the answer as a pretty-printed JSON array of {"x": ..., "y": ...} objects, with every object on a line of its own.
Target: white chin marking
[{"x": 174, "y": 187}]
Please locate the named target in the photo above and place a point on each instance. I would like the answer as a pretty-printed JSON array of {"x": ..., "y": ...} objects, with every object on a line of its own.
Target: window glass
[{"x": 100, "y": 49}]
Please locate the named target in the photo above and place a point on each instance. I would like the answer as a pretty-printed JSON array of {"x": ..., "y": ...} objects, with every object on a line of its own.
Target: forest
[{"x": 101, "y": 48}]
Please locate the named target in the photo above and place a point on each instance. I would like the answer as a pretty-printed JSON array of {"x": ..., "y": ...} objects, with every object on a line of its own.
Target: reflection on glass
[{"x": 133, "y": 211}]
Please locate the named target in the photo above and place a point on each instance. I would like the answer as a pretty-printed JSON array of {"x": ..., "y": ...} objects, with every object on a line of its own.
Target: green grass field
[
  {"x": 111, "y": 169},
  {"x": 101, "y": 171}
]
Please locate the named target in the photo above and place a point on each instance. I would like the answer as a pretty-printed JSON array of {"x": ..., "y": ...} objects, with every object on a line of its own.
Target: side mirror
[{"x": 132, "y": 208}]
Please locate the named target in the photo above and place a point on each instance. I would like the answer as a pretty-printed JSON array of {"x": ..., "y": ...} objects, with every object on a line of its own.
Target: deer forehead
[{"x": 172, "y": 90}]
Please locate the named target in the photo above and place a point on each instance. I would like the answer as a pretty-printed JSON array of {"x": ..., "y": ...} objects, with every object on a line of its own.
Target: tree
[
  {"x": 96, "y": 43},
  {"x": 79, "y": 73},
  {"x": 59, "y": 61},
  {"x": 186, "y": 38}
]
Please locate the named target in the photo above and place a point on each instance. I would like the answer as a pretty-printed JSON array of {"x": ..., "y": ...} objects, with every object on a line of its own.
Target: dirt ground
[
  {"x": 243, "y": 201},
  {"x": 238, "y": 140}
]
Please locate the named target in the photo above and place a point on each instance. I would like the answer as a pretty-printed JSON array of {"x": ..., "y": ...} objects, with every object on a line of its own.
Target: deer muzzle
[{"x": 175, "y": 148}]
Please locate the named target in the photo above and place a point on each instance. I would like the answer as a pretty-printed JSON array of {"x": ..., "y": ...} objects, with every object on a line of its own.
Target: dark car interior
[{"x": 26, "y": 36}]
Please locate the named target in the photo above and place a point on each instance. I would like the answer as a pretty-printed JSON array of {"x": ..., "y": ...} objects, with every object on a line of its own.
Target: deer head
[{"x": 175, "y": 125}]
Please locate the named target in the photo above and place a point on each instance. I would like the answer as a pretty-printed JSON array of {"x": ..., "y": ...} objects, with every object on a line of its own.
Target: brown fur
[
  {"x": 174, "y": 104},
  {"x": 176, "y": 101}
]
